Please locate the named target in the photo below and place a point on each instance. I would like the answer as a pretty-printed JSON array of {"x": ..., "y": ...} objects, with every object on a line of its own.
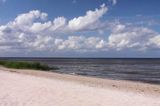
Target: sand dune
[{"x": 26, "y": 90}]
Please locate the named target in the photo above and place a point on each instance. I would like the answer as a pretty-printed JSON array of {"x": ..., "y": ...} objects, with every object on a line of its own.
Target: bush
[{"x": 25, "y": 65}]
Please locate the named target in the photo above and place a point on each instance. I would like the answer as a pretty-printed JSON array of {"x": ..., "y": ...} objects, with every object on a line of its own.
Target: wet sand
[{"x": 38, "y": 88}]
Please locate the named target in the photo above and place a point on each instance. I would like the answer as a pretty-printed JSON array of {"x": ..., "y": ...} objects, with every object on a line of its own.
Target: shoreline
[
  {"x": 123, "y": 85},
  {"x": 39, "y": 88}
]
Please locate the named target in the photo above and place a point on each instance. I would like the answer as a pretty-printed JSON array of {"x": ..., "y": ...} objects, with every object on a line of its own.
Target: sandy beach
[{"x": 37, "y": 88}]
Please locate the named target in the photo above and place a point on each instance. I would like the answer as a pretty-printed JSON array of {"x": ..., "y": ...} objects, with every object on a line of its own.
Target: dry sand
[{"x": 36, "y": 88}]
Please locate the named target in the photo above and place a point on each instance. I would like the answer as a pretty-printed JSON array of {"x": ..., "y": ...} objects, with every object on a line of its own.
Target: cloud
[
  {"x": 27, "y": 19},
  {"x": 59, "y": 24},
  {"x": 34, "y": 21},
  {"x": 155, "y": 41},
  {"x": 130, "y": 37},
  {"x": 33, "y": 32},
  {"x": 91, "y": 17},
  {"x": 81, "y": 43},
  {"x": 114, "y": 2}
]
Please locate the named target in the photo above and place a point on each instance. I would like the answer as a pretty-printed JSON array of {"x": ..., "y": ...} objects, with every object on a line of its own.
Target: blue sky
[
  {"x": 80, "y": 28},
  {"x": 71, "y": 8}
]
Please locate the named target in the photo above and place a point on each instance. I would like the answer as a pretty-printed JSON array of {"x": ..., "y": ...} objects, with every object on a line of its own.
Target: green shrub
[{"x": 25, "y": 65}]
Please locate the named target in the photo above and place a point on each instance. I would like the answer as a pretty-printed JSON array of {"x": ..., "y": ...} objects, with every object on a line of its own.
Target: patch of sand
[{"x": 28, "y": 90}]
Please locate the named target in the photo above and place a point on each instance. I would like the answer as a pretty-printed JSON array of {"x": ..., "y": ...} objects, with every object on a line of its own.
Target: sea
[{"x": 145, "y": 70}]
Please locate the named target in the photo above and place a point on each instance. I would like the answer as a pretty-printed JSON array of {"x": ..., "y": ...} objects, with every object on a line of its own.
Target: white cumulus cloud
[
  {"x": 91, "y": 17},
  {"x": 33, "y": 32},
  {"x": 126, "y": 37}
]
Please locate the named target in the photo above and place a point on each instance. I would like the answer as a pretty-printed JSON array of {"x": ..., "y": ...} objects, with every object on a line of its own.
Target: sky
[{"x": 80, "y": 28}]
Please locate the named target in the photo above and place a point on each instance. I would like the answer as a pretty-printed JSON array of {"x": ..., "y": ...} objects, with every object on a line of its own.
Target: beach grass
[{"x": 26, "y": 65}]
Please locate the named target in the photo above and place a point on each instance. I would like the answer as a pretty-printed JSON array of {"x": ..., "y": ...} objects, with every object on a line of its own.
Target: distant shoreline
[{"x": 80, "y": 57}]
